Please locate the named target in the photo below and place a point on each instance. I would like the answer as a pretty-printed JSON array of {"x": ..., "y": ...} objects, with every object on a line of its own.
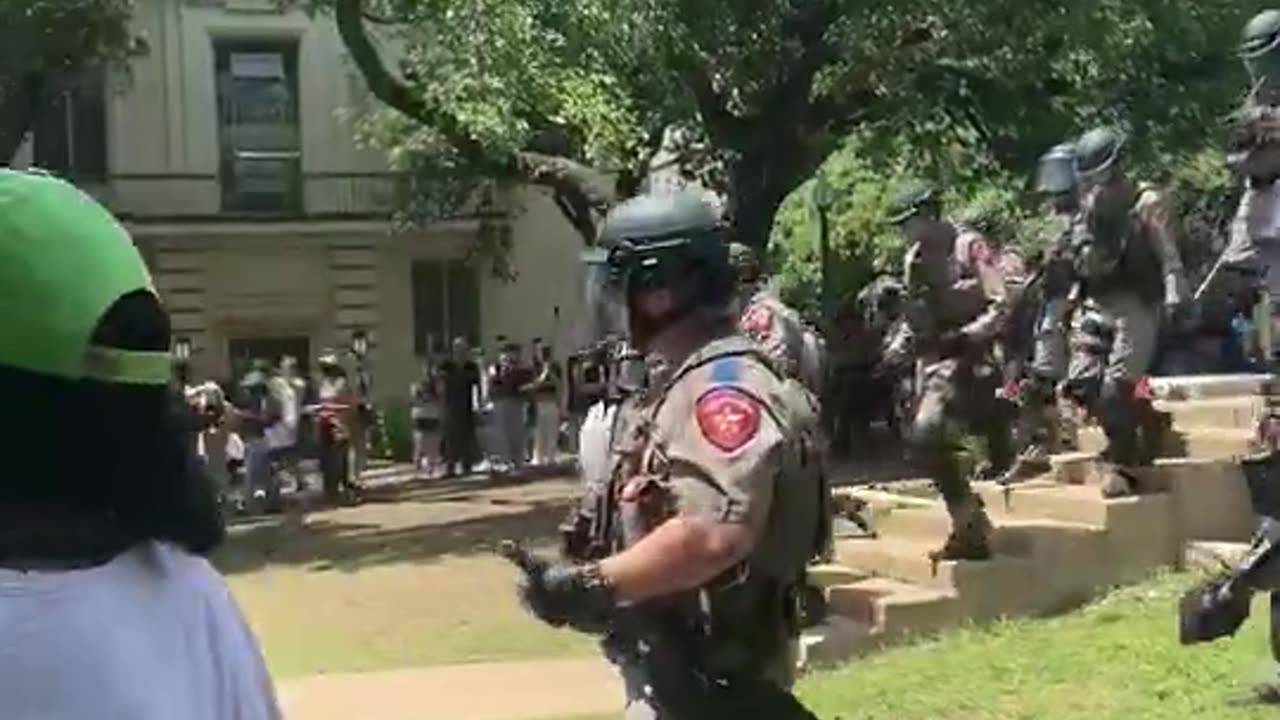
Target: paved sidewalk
[{"x": 533, "y": 690}]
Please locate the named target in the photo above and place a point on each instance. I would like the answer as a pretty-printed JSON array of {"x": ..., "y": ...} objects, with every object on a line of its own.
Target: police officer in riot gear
[
  {"x": 1218, "y": 607},
  {"x": 795, "y": 347},
  {"x": 693, "y": 561},
  {"x": 1249, "y": 268},
  {"x": 1050, "y": 296},
  {"x": 1128, "y": 263},
  {"x": 957, "y": 305}
]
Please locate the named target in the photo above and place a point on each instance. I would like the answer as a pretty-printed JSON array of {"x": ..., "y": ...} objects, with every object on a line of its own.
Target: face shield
[
  {"x": 604, "y": 314},
  {"x": 1261, "y": 56},
  {"x": 1056, "y": 176}
]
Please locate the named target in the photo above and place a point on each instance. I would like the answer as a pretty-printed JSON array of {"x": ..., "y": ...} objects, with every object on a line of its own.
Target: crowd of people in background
[
  {"x": 254, "y": 434},
  {"x": 503, "y": 412}
]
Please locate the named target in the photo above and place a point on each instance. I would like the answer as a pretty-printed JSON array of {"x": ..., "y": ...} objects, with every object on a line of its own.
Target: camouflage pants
[
  {"x": 1037, "y": 413},
  {"x": 1113, "y": 342},
  {"x": 956, "y": 395},
  {"x": 1049, "y": 355}
]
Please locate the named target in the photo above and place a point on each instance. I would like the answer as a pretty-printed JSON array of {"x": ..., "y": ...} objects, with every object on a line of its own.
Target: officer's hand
[{"x": 563, "y": 594}]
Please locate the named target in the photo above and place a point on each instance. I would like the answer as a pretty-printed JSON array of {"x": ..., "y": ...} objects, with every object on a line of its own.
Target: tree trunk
[{"x": 19, "y": 99}]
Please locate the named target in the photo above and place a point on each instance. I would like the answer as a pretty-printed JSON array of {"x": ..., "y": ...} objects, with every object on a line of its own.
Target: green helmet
[
  {"x": 654, "y": 241},
  {"x": 1260, "y": 50},
  {"x": 910, "y": 199},
  {"x": 1055, "y": 173},
  {"x": 64, "y": 261},
  {"x": 1097, "y": 150}
]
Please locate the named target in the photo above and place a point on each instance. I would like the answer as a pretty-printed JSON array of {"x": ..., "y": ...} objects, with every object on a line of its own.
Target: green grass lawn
[{"x": 1117, "y": 659}]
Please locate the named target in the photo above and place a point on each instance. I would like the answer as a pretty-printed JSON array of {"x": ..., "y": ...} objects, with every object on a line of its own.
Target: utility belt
[{"x": 731, "y": 633}]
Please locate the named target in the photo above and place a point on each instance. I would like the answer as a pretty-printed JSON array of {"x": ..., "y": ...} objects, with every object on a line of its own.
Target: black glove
[{"x": 562, "y": 594}]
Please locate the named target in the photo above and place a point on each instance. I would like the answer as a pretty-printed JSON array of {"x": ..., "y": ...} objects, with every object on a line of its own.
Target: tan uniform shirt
[
  {"x": 968, "y": 295},
  {"x": 721, "y": 432}
]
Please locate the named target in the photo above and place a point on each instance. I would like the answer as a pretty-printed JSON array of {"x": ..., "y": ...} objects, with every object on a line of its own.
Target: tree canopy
[
  {"x": 45, "y": 43},
  {"x": 575, "y": 94}
]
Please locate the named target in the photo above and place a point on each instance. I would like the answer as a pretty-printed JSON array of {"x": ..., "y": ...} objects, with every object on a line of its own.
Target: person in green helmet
[
  {"x": 956, "y": 307},
  {"x": 1131, "y": 272},
  {"x": 1038, "y": 422},
  {"x": 1249, "y": 269},
  {"x": 109, "y": 610}
]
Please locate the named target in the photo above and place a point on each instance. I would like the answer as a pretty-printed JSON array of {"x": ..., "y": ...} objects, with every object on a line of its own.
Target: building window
[
  {"x": 446, "y": 304},
  {"x": 71, "y": 129},
  {"x": 258, "y": 129}
]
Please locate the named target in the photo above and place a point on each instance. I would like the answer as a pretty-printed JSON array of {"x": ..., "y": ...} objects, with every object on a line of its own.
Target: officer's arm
[
  {"x": 1154, "y": 213},
  {"x": 992, "y": 284},
  {"x": 724, "y": 462}
]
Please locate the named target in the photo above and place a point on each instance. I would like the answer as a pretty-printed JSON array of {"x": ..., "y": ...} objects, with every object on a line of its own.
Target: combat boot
[
  {"x": 970, "y": 537},
  {"x": 1117, "y": 480},
  {"x": 1037, "y": 431}
]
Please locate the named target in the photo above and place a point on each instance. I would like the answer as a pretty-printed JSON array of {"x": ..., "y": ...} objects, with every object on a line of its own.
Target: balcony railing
[{"x": 319, "y": 196}]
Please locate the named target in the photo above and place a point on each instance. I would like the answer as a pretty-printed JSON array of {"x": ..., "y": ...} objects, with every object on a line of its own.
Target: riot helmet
[
  {"x": 665, "y": 260},
  {"x": 1260, "y": 50},
  {"x": 913, "y": 198},
  {"x": 1055, "y": 173},
  {"x": 1096, "y": 153}
]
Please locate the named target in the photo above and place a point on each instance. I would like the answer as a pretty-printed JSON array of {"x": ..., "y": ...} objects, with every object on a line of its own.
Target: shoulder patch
[{"x": 728, "y": 418}]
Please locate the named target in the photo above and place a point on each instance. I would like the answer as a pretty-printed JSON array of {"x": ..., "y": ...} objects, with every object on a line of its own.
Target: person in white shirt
[
  {"x": 282, "y": 436},
  {"x": 424, "y": 398},
  {"x": 108, "y": 609}
]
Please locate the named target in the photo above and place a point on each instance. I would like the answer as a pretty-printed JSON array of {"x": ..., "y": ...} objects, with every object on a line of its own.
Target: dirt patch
[{"x": 408, "y": 579}]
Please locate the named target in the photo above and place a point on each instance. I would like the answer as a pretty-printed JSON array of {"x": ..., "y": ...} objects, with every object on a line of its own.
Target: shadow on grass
[{"x": 334, "y": 542}]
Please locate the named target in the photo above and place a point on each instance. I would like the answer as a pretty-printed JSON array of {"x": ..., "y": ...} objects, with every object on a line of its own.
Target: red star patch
[
  {"x": 757, "y": 321},
  {"x": 728, "y": 417}
]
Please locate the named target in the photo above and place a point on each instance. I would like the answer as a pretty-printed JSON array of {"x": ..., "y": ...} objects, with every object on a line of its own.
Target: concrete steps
[
  {"x": 983, "y": 591},
  {"x": 1057, "y": 540},
  {"x": 1202, "y": 387},
  {"x": 893, "y": 608},
  {"x": 1189, "y": 441},
  {"x": 1241, "y": 413}
]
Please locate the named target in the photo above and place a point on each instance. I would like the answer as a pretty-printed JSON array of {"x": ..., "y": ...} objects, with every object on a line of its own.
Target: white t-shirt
[
  {"x": 284, "y": 433},
  {"x": 594, "y": 438},
  {"x": 152, "y": 635}
]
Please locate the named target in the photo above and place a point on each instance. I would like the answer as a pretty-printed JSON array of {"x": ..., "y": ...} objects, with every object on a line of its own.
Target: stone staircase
[{"x": 1058, "y": 542}]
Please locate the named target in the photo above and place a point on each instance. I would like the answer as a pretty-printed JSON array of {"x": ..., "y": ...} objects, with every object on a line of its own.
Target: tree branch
[{"x": 580, "y": 185}]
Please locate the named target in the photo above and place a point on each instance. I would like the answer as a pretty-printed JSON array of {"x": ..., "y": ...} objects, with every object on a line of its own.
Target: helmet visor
[{"x": 604, "y": 312}]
